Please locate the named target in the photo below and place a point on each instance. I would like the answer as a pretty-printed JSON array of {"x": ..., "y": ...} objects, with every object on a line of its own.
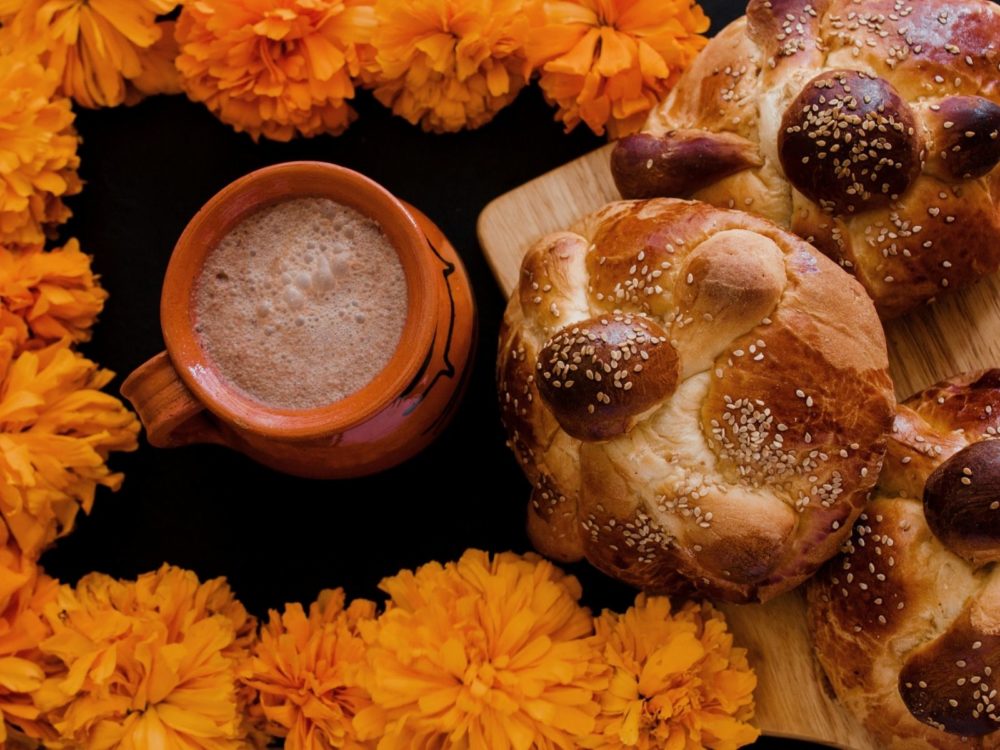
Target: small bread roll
[
  {"x": 699, "y": 398},
  {"x": 906, "y": 621},
  {"x": 870, "y": 129}
]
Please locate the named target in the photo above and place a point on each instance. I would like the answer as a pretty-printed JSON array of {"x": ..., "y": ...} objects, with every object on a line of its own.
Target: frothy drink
[{"x": 302, "y": 303}]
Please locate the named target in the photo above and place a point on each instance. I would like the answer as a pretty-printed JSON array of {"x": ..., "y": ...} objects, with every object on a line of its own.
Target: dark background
[{"x": 148, "y": 169}]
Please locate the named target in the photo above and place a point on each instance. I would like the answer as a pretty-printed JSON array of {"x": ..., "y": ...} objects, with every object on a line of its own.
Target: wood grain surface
[{"x": 960, "y": 332}]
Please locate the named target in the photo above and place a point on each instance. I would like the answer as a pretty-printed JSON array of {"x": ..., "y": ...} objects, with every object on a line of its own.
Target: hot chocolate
[{"x": 302, "y": 303}]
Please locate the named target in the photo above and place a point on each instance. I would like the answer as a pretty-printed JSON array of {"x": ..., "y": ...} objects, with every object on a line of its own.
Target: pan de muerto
[
  {"x": 872, "y": 129},
  {"x": 907, "y": 622},
  {"x": 699, "y": 398}
]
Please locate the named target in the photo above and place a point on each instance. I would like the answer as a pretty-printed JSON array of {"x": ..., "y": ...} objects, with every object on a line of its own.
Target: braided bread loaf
[
  {"x": 699, "y": 398},
  {"x": 871, "y": 129},
  {"x": 907, "y": 621}
]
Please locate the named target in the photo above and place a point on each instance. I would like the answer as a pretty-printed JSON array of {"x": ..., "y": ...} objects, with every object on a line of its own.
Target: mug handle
[{"x": 170, "y": 413}]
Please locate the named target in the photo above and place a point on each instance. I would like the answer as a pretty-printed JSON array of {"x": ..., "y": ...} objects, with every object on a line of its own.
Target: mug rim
[{"x": 215, "y": 219}]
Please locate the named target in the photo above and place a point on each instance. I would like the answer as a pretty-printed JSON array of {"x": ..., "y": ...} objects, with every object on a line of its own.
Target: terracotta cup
[{"x": 183, "y": 398}]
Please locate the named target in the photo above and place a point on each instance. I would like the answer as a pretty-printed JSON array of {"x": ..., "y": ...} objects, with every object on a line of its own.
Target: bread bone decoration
[
  {"x": 870, "y": 128},
  {"x": 699, "y": 398},
  {"x": 907, "y": 622}
]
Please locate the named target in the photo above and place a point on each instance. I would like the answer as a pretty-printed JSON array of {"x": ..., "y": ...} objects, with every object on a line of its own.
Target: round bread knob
[
  {"x": 848, "y": 141},
  {"x": 962, "y": 502},
  {"x": 599, "y": 374},
  {"x": 678, "y": 163}
]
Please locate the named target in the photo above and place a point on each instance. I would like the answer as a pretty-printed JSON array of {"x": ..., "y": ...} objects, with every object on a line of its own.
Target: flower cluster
[
  {"x": 445, "y": 64},
  {"x": 496, "y": 652},
  {"x": 280, "y": 68},
  {"x": 489, "y": 652},
  {"x": 56, "y": 426}
]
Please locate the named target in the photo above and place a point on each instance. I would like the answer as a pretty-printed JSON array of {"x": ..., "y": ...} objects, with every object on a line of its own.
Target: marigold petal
[
  {"x": 677, "y": 656},
  {"x": 19, "y": 675},
  {"x": 130, "y": 19},
  {"x": 618, "y": 52},
  {"x": 579, "y": 59}
]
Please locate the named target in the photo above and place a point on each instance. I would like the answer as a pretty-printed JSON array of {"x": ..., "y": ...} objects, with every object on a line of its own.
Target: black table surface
[{"x": 148, "y": 169}]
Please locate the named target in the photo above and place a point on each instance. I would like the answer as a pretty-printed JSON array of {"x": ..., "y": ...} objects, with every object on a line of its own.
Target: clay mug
[{"x": 182, "y": 398}]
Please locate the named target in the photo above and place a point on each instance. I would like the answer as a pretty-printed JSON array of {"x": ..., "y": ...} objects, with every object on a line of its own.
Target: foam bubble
[{"x": 293, "y": 297}]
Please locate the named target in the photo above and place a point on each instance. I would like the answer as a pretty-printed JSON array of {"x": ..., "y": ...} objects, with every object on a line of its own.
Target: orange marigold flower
[
  {"x": 608, "y": 62},
  {"x": 449, "y": 64},
  {"x": 484, "y": 654},
  {"x": 56, "y": 431},
  {"x": 149, "y": 663},
  {"x": 24, "y": 592},
  {"x": 96, "y": 49},
  {"x": 305, "y": 671},
  {"x": 274, "y": 67},
  {"x": 55, "y": 292},
  {"x": 677, "y": 680},
  {"x": 38, "y": 159}
]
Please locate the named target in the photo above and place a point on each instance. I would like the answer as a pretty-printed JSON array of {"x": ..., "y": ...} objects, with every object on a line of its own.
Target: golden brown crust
[
  {"x": 905, "y": 627},
  {"x": 788, "y": 31},
  {"x": 969, "y": 402},
  {"x": 536, "y": 440},
  {"x": 934, "y": 68},
  {"x": 736, "y": 462},
  {"x": 718, "y": 94}
]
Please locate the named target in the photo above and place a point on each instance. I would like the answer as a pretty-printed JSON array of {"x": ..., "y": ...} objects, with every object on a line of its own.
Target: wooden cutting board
[{"x": 961, "y": 332}]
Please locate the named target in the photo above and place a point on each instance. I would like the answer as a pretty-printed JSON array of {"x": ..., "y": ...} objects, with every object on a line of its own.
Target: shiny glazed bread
[
  {"x": 870, "y": 128},
  {"x": 699, "y": 398},
  {"x": 906, "y": 622}
]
